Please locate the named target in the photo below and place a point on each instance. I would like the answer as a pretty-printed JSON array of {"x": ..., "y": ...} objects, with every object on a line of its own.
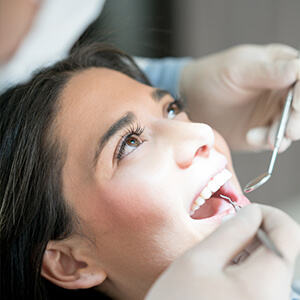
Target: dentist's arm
[{"x": 206, "y": 271}]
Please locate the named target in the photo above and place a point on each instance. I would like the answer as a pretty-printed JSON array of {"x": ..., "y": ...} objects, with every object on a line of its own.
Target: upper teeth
[{"x": 212, "y": 186}]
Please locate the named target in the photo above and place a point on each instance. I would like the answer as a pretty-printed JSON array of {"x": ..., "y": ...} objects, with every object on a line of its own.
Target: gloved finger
[
  {"x": 257, "y": 138},
  {"x": 263, "y": 138},
  {"x": 236, "y": 234},
  {"x": 265, "y": 271},
  {"x": 286, "y": 141},
  {"x": 268, "y": 75},
  {"x": 285, "y": 234},
  {"x": 281, "y": 51},
  {"x": 282, "y": 230},
  {"x": 247, "y": 251},
  {"x": 293, "y": 126}
]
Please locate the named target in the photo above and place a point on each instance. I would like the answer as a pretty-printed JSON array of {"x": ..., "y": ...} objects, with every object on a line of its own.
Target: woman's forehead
[
  {"x": 101, "y": 82},
  {"x": 102, "y": 92}
]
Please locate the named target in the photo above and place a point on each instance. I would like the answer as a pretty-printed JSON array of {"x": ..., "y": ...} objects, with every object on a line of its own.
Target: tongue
[{"x": 210, "y": 208}]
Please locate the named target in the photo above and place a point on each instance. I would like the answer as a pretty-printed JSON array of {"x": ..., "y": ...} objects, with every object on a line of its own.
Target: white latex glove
[
  {"x": 241, "y": 92},
  {"x": 206, "y": 271}
]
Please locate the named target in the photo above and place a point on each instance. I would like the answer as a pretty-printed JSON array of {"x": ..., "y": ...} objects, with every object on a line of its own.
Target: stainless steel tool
[{"x": 263, "y": 178}]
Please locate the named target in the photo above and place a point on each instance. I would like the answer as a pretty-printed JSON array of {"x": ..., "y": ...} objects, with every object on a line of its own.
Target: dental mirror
[
  {"x": 257, "y": 182},
  {"x": 263, "y": 178}
]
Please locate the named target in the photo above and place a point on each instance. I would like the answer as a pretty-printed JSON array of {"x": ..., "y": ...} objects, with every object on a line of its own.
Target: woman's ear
[{"x": 70, "y": 264}]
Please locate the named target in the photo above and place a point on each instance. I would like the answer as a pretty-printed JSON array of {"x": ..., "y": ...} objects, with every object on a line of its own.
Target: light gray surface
[{"x": 205, "y": 26}]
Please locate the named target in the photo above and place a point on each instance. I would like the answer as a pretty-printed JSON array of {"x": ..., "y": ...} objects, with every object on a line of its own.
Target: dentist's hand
[
  {"x": 245, "y": 88},
  {"x": 206, "y": 271}
]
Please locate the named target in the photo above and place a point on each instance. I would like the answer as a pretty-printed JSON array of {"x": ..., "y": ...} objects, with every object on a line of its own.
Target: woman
[{"x": 104, "y": 180}]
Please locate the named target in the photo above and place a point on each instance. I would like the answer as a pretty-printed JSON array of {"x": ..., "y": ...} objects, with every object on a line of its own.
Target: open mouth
[{"x": 209, "y": 203}]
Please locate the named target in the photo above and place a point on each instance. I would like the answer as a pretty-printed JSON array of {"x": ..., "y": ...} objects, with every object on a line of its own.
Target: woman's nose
[{"x": 193, "y": 140}]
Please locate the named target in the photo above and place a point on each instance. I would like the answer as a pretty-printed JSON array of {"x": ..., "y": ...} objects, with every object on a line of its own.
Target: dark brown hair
[{"x": 32, "y": 207}]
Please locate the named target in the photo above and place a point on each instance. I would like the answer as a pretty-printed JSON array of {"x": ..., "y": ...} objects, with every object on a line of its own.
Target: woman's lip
[
  {"x": 242, "y": 201},
  {"x": 231, "y": 191}
]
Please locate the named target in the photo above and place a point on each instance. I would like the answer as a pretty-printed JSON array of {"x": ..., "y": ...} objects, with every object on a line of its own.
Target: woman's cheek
[
  {"x": 132, "y": 202},
  {"x": 222, "y": 147}
]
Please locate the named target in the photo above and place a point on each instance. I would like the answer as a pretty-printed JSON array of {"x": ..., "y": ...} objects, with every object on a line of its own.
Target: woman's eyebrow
[
  {"x": 158, "y": 94},
  {"x": 121, "y": 123}
]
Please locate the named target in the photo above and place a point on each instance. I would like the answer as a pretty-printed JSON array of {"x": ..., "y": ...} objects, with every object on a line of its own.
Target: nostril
[{"x": 202, "y": 151}]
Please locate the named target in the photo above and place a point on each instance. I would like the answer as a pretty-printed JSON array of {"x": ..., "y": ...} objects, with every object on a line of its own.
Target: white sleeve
[{"x": 56, "y": 27}]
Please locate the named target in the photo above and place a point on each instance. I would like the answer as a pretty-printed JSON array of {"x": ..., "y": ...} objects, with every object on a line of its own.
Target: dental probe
[{"x": 261, "y": 234}]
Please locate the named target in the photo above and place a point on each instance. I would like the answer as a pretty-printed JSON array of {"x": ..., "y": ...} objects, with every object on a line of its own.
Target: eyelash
[
  {"x": 134, "y": 130},
  {"x": 137, "y": 130}
]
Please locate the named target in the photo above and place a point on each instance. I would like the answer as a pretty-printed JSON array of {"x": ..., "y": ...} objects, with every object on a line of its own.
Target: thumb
[
  {"x": 258, "y": 138},
  {"x": 231, "y": 237},
  {"x": 263, "y": 138},
  {"x": 271, "y": 75}
]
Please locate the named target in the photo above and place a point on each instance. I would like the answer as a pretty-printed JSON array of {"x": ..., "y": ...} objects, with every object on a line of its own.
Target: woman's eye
[
  {"x": 133, "y": 142},
  {"x": 173, "y": 110},
  {"x": 128, "y": 145}
]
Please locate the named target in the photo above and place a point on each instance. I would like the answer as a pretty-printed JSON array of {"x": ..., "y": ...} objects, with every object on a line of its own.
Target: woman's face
[{"x": 134, "y": 170}]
